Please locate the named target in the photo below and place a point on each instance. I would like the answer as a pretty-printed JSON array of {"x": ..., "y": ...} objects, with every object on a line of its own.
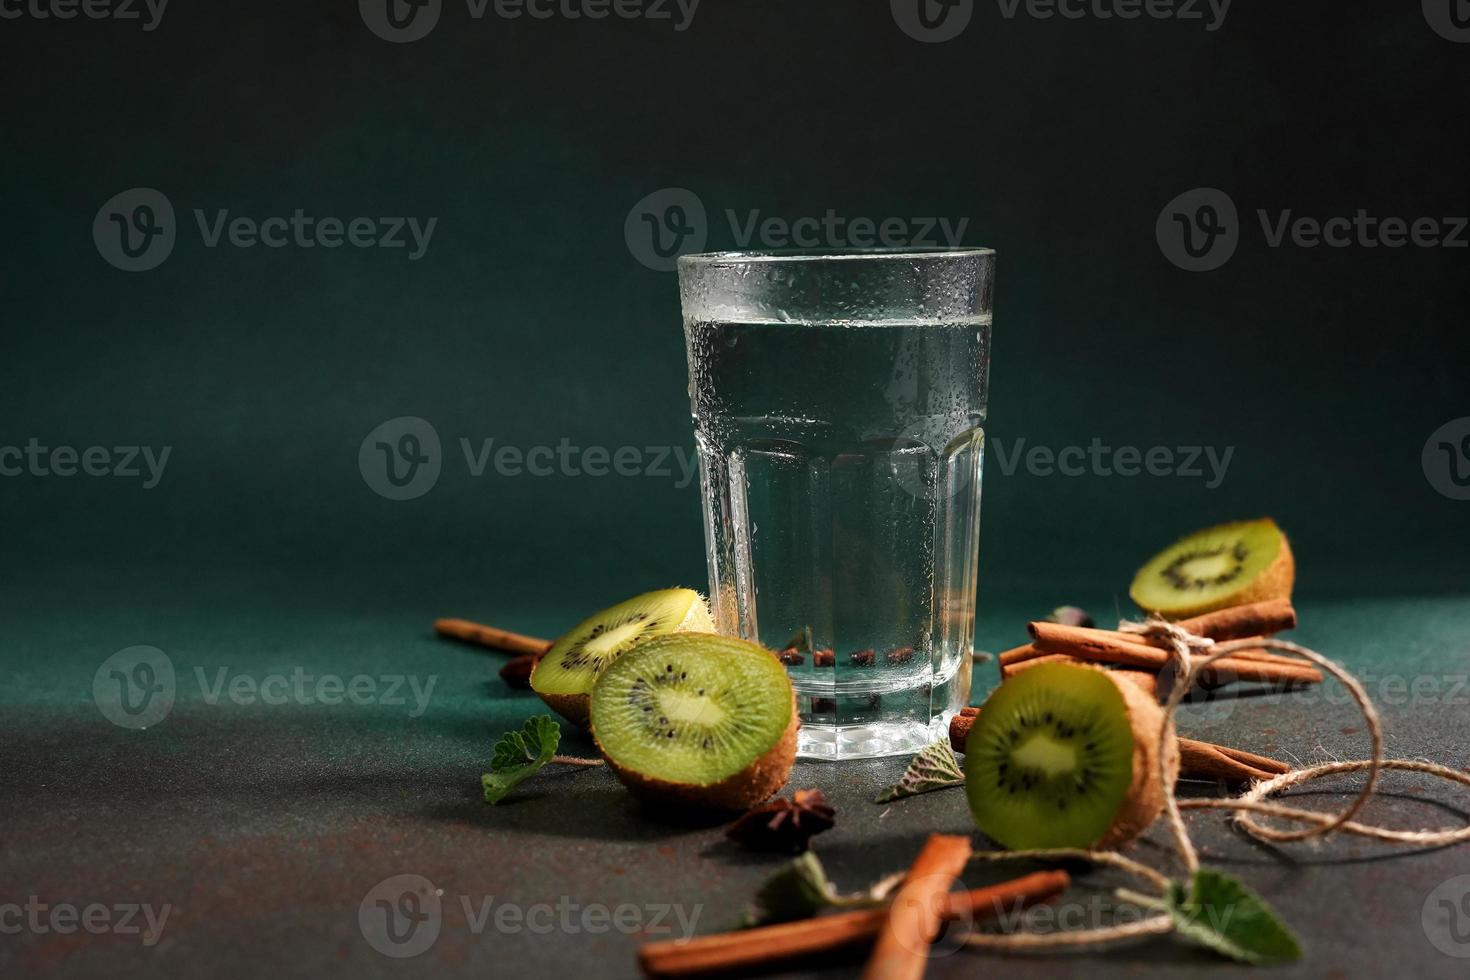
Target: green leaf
[
  {"x": 518, "y": 755},
  {"x": 801, "y": 889},
  {"x": 1220, "y": 913},
  {"x": 934, "y": 768}
]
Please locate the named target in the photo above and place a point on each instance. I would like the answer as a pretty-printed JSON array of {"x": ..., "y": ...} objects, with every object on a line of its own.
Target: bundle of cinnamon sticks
[{"x": 1053, "y": 642}]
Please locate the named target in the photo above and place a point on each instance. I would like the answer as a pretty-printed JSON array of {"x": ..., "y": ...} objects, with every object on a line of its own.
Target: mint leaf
[
  {"x": 518, "y": 755},
  {"x": 1220, "y": 913},
  {"x": 801, "y": 889},
  {"x": 934, "y": 768}
]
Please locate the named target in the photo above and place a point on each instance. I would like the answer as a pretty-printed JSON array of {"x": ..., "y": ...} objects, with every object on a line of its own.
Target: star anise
[{"x": 784, "y": 824}]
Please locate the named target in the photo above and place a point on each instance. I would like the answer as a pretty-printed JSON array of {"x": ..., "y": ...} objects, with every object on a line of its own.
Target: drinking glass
[{"x": 839, "y": 404}]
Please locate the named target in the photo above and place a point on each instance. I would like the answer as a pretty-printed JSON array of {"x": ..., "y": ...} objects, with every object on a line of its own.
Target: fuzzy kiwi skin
[
  {"x": 754, "y": 784},
  {"x": 1275, "y": 582},
  {"x": 1145, "y": 799},
  {"x": 575, "y": 708}
]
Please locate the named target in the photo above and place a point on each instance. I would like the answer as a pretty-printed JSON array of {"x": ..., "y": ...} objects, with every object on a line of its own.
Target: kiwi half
[
  {"x": 564, "y": 675},
  {"x": 1066, "y": 755},
  {"x": 1225, "y": 565},
  {"x": 701, "y": 720}
]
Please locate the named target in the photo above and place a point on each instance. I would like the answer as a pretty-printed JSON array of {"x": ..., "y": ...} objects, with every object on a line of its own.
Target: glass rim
[{"x": 835, "y": 255}]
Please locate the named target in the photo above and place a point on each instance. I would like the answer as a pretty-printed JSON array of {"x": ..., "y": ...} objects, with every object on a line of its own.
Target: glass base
[{"x": 876, "y": 740}]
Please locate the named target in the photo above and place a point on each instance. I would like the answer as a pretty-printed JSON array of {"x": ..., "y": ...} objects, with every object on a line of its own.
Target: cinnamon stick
[
  {"x": 1202, "y": 760},
  {"x": 492, "y": 637},
  {"x": 914, "y": 917},
  {"x": 768, "y": 947},
  {"x": 1036, "y": 661},
  {"x": 1017, "y": 655},
  {"x": 1239, "y": 622},
  {"x": 1106, "y": 646}
]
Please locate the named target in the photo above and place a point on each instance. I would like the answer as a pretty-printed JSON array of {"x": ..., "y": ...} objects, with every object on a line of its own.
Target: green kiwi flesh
[
  {"x": 704, "y": 719},
  {"x": 565, "y": 673},
  {"x": 1049, "y": 762},
  {"x": 1225, "y": 565}
]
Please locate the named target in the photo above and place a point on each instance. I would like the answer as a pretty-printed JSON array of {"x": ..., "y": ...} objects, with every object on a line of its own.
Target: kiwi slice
[
  {"x": 1225, "y": 565},
  {"x": 565, "y": 673},
  {"x": 698, "y": 720},
  {"x": 1066, "y": 755}
]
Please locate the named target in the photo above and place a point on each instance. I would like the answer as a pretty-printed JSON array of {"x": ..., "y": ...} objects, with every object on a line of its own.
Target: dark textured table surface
[{"x": 262, "y": 828}]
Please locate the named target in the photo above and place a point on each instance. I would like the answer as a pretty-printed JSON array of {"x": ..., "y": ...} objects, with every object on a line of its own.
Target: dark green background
[{"x": 529, "y": 321}]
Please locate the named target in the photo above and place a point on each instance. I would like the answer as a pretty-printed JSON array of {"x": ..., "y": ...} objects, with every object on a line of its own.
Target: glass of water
[{"x": 839, "y": 405}]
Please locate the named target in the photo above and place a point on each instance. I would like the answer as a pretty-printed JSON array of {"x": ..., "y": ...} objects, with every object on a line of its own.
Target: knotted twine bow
[{"x": 1194, "y": 654}]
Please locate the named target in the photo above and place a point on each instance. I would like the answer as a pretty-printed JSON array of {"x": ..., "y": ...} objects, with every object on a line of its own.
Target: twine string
[{"x": 1194, "y": 655}]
